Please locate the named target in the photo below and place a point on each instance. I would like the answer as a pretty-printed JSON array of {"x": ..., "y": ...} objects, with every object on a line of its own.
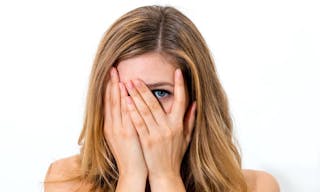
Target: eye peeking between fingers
[{"x": 161, "y": 94}]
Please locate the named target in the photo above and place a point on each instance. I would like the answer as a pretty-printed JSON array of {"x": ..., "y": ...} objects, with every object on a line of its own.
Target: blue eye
[{"x": 160, "y": 93}]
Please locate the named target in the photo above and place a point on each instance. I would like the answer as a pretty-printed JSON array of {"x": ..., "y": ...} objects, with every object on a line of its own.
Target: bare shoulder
[
  {"x": 64, "y": 165},
  {"x": 260, "y": 181},
  {"x": 61, "y": 175}
]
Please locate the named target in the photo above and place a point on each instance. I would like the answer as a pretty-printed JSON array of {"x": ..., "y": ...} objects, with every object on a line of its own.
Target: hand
[
  {"x": 120, "y": 133},
  {"x": 164, "y": 137}
]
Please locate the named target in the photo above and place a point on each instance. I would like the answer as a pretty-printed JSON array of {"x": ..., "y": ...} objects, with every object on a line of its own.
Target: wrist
[
  {"x": 133, "y": 175},
  {"x": 131, "y": 182},
  {"x": 167, "y": 182},
  {"x": 131, "y": 172}
]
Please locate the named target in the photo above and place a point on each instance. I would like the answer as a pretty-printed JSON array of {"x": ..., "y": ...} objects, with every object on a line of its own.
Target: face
[{"x": 155, "y": 71}]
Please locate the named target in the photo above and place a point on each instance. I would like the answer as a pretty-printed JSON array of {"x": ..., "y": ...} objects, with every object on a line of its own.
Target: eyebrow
[{"x": 159, "y": 84}]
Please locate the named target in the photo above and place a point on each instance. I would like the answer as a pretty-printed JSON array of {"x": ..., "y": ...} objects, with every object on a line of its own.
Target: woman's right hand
[{"x": 122, "y": 137}]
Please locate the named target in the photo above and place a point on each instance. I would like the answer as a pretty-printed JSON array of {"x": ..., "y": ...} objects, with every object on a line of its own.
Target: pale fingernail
[
  {"x": 136, "y": 82},
  {"x": 178, "y": 72},
  {"x": 129, "y": 84}
]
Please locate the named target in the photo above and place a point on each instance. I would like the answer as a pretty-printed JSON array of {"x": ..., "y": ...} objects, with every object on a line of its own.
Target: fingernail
[
  {"x": 112, "y": 72},
  {"x": 136, "y": 82},
  {"x": 178, "y": 73},
  {"x": 129, "y": 84}
]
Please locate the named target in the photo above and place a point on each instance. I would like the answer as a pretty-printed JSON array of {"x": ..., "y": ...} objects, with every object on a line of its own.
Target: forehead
[{"x": 149, "y": 67}]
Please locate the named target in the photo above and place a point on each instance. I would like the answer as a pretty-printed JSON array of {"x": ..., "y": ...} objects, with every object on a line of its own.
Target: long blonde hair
[{"x": 212, "y": 161}]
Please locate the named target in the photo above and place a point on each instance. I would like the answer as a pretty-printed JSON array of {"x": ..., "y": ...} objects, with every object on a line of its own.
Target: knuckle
[
  {"x": 149, "y": 143},
  {"x": 143, "y": 89},
  {"x": 169, "y": 134},
  {"x": 144, "y": 111},
  {"x": 123, "y": 134},
  {"x": 157, "y": 138},
  {"x": 154, "y": 105},
  {"x": 139, "y": 123},
  {"x": 164, "y": 135},
  {"x": 126, "y": 134}
]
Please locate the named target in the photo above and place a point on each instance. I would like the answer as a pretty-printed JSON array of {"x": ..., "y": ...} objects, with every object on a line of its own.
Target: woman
[{"x": 157, "y": 117}]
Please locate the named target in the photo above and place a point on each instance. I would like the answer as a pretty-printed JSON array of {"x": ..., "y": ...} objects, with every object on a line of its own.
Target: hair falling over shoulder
[{"x": 212, "y": 161}]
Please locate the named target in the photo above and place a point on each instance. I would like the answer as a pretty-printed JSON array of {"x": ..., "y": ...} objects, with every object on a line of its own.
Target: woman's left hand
[{"x": 164, "y": 136}]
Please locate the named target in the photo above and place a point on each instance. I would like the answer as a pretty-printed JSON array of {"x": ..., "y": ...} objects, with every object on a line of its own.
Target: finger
[
  {"x": 151, "y": 101},
  {"x": 136, "y": 119},
  {"x": 142, "y": 108},
  {"x": 126, "y": 121},
  {"x": 115, "y": 99},
  {"x": 189, "y": 121},
  {"x": 107, "y": 111},
  {"x": 178, "y": 108},
  {"x": 123, "y": 94}
]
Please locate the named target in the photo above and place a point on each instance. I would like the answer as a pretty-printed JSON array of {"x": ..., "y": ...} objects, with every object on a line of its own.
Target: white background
[{"x": 266, "y": 54}]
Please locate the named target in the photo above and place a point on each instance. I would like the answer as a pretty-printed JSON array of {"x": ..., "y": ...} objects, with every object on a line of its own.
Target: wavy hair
[{"x": 212, "y": 161}]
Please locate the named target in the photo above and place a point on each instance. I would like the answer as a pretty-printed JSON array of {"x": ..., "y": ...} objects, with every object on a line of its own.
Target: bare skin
[
  {"x": 146, "y": 103},
  {"x": 154, "y": 117},
  {"x": 257, "y": 181}
]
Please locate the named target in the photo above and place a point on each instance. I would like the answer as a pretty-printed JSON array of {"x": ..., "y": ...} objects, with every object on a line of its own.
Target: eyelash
[{"x": 168, "y": 93}]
